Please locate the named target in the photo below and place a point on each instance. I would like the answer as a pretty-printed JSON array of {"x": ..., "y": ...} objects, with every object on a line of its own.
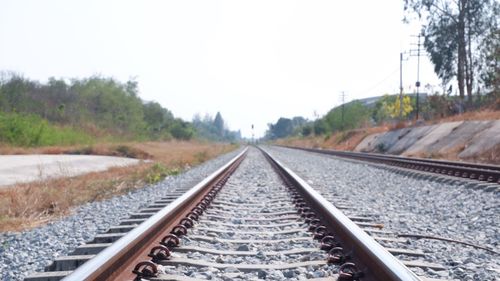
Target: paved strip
[{"x": 27, "y": 168}]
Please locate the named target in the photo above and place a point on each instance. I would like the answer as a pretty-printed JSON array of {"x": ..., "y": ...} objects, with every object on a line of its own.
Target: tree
[
  {"x": 213, "y": 128},
  {"x": 182, "y": 130},
  {"x": 454, "y": 30},
  {"x": 381, "y": 112},
  {"x": 355, "y": 114},
  {"x": 393, "y": 108},
  {"x": 282, "y": 128},
  {"x": 157, "y": 119},
  {"x": 489, "y": 63},
  {"x": 307, "y": 130},
  {"x": 286, "y": 127},
  {"x": 320, "y": 127},
  {"x": 219, "y": 124}
]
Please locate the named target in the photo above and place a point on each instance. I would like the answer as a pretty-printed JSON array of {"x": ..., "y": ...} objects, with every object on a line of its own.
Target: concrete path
[{"x": 25, "y": 168}]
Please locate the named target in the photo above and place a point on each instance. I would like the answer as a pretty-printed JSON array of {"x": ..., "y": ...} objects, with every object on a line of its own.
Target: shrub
[
  {"x": 31, "y": 130},
  {"x": 307, "y": 130},
  {"x": 158, "y": 172}
]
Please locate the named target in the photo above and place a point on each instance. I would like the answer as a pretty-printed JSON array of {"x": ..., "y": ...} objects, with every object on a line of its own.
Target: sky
[{"x": 252, "y": 61}]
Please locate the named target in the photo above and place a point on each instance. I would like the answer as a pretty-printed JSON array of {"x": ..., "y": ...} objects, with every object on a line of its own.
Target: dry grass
[
  {"x": 182, "y": 154},
  {"x": 339, "y": 141},
  {"x": 491, "y": 156},
  {"x": 468, "y": 116},
  {"x": 27, "y": 205}
]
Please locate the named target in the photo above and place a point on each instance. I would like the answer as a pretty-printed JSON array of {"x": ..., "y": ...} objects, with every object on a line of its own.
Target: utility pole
[
  {"x": 418, "y": 54},
  {"x": 418, "y": 74},
  {"x": 400, "y": 87},
  {"x": 401, "y": 94}
]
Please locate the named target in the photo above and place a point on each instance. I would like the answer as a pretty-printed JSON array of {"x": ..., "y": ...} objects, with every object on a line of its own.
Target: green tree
[
  {"x": 286, "y": 127},
  {"x": 381, "y": 112},
  {"x": 219, "y": 124},
  {"x": 489, "y": 63},
  {"x": 100, "y": 105},
  {"x": 453, "y": 32},
  {"x": 355, "y": 115},
  {"x": 213, "y": 129},
  {"x": 158, "y": 120},
  {"x": 307, "y": 130},
  {"x": 283, "y": 128},
  {"x": 320, "y": 127},
  {"x": 109, "y": 104},
  {"x": 182, "y": 130}
]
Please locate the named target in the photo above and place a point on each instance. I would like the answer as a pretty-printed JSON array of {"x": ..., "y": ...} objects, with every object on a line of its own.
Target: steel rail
[
  {"x": 117, "y": 261},
  {"x": 479, "y": 172},
  {"x": 378, "y": 263}
]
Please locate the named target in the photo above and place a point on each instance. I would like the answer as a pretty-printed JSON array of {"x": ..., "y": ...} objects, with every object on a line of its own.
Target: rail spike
[
  {"x": 145, "y": 269},
  {"x": 349, "y": 272},
  {"x": 159, "y": 253}
]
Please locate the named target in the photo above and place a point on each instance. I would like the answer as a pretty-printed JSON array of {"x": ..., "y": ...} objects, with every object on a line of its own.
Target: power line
[
  {"x": 401, "y": 59},
  {"x": 378, "y": 83}
]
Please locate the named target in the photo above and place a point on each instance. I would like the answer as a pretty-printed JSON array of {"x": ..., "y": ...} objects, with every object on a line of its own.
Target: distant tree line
[
  {"x": 385, "y": 110},
  {"x": 214, "y": 129},
  {"x": 96, "y": 105},
  {"x": 355, "y": 115}
]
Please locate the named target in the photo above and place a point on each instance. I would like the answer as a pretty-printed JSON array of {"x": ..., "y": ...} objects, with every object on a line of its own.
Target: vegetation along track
[
  {"x": 244, "y": 223},
  {"x": 483, "y": 175}
]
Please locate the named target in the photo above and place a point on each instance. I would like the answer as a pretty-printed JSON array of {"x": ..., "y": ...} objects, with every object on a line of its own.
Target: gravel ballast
[
  {"x": 253, "y": 194},
  {"x": 30, "y": 251},
  {"x": 407, "y": 205}
]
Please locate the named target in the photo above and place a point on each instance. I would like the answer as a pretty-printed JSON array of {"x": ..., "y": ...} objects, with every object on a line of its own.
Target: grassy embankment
[
  {"x": 348, "y": 140},
  {"x": 28, "y": 205}
]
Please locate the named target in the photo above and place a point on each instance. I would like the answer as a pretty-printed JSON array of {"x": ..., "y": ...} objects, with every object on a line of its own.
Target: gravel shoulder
[
  {"x": 26, "y": 252},
  {"x": 413, "y": 206}
]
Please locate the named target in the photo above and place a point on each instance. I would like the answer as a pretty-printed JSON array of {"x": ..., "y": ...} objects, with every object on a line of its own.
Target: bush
[
  {"x": 182, "y": 130},
  {"x": 320, "y": 127},
  {"x": 158, "y": 172},
  {"x": 31, "y": 130},
  {"x": 307, "y": 130},
  {"x": 112, "y": 107}
]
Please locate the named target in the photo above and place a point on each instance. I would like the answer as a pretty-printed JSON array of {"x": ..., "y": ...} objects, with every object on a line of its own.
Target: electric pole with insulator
[
  {"x": 417, "y": 53},
  {"x": 400, "y": 87}
]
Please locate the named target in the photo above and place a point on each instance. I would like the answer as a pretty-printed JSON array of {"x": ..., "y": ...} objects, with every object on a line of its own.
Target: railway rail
[
  {"x": 229, "y": 227},
  {"x": 477, "y": 172}
]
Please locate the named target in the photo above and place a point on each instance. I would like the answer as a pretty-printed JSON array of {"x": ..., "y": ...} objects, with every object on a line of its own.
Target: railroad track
[
  {"x": 245, "y": 223},
  {"x": 479, "y": 173}
]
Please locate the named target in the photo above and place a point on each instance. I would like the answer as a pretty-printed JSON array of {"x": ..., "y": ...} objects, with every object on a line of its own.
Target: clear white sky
[{"x": 254, "y": 61}]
